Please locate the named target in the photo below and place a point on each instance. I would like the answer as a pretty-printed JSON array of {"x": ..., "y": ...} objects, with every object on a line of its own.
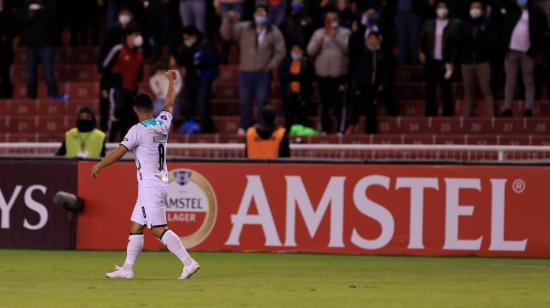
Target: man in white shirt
[
  {"x": 148, "y": 140},
  {"x": 524, "y": 35}
]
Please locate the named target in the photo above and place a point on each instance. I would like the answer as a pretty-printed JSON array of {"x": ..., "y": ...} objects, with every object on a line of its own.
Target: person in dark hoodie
[
  {"x": 477, "y": 39},
  {"x": 370, "y": 74},
  {"x": 267, "y": 140},
  {"x": 524, "y": 30},
  {"x": 201, "y": 61}
]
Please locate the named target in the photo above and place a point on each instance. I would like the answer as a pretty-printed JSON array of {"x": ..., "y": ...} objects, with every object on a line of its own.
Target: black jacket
[
  {"x": 370, "y": 68},
  {"x": 201, "y": 60},
  {"x": 450, "y": 40},
  {"x": 298, "y": 29},
  {"x": 37, "y": 26},
  {"x": 477, "y": 41},
  {"x": 305, "y": 77},
  {"x": 7, "y": 33},
  {"x": 508, "y": 13}
]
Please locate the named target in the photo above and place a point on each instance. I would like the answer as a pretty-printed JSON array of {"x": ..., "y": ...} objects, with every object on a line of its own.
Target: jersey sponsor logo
[
  {"x": 191, "y": 206},
  {"x": 160, "y": 138}
]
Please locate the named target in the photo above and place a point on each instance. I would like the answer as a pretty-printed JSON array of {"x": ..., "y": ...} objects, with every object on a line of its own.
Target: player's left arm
[
  {"x": 114, "y": 156},
  {"x": 171, "y": 75}
]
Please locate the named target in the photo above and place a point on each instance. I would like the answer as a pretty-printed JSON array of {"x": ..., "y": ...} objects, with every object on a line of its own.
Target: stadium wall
[
  {"x": 331, "y": 208},
  {"x": 28, "y": 217}
]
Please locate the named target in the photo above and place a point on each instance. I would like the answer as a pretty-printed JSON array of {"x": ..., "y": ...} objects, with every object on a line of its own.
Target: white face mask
[
  {"x": 442, "y": 12},
  {"x": 334, "y": 24},
  {"x": 364, "y": 20},
  {"x": 124, "y": 19},
  {"x": 138, "y": 41},
  {"x": 475, "y": 13}
]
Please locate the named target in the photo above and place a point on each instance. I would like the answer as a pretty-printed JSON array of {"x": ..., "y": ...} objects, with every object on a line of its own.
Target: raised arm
[
  {"x": 109, "y": 159},
  {"x": 171, "y": 75}
]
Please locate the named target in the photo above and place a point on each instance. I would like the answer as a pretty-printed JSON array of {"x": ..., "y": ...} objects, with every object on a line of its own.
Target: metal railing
[{"x": 494, "y": 153}]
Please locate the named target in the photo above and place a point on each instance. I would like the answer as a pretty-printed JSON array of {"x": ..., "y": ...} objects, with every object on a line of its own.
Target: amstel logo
[{"x": 191, "y": 206}]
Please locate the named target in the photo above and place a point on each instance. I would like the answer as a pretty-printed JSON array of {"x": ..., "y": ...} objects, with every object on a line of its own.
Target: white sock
[
  {"x": 135, "y": 246},
  {"x": 172, "y": 241}
]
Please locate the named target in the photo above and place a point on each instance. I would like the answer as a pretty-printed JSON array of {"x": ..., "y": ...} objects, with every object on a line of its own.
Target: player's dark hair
[{"x": 143, "y": 101}]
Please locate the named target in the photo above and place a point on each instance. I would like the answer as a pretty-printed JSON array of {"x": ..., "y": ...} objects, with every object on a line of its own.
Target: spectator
[
  {"x": 329, "y": 47},
  {"x": 123, "y": 70},
  {"x": 7, "y": 34},
  {"x": 159, "y": 86},
  {"x": 346, "y": 16},
  {"x": 408, "y": 18},
  {"x": 371, "y": 21},
  {"x": 276, "y": 12},
  {"x": 83, "y": 19},
  {"x": 37, "y": 22},
  {"x": 299, "y": 25},
  {"x": 83, "y": 141},
  {"x": 524, "y": 31},
  {"x": 161, "y": 26},
  {"x": 370, "y": 73},
  {"x": 113, "y": 37},
  {"x": 201, "y": 62},
  {"x": 296, "y": 78},
  {"x": 477, "y": 39},
  {"x": 266, "y": 140},
  {"x": 193, "y": 13},
  {"x": 438, "y": 45},
  {"x": 222, "y": 7},
  {"x": 262, "y": 48}
]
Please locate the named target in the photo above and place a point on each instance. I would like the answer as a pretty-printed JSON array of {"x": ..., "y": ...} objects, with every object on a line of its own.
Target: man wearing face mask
[
  {"x": 329, "y": 47},
  {"x": 477, "y": 39},
  {"x": 370, "y": 73},
  {"x": 262, "y": 48},
  {"x": 438, "y": 53},
  {"x": 113, "y": 37},
  {"x": 123, "y": 70},
  {"x": 83, "y": 141},
  {"x": 523, "y": 33}
]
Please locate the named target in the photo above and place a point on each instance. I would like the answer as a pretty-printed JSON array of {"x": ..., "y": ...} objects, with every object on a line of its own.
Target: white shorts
[{"x": 150, "y": 208}]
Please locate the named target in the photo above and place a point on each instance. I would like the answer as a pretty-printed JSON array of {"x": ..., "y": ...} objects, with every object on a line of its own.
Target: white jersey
[{"x": 148, "y": 140}]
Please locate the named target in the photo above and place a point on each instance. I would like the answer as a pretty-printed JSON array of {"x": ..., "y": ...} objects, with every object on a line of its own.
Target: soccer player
[{"x": 148, "y": 140}]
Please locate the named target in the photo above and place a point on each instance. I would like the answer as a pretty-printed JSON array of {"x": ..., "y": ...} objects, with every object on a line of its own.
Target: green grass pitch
[{"x": 31, "y": 278}]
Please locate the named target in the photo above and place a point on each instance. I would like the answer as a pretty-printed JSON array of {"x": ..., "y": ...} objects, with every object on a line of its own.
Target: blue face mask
[
  {"x": 296, "y": 57},
  {"x": 260, "y": 20},
  {"x": 521, "y": 3},
  {"x": 297, "y": 7}
]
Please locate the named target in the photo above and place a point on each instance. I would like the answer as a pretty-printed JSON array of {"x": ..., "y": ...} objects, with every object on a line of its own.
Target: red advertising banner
[{"x": 331, "y": 208}]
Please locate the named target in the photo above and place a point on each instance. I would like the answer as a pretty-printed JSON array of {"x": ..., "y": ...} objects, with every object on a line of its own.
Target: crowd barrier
[{"x": 389, "y": 209}]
